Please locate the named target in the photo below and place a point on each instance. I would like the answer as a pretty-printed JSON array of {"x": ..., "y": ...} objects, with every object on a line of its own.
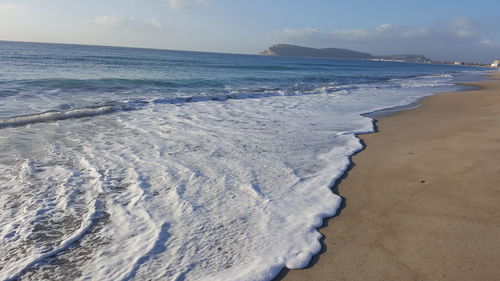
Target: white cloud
[
  {"x": 384, "y": 26},
  {"x": 183, "y": 4},
  {"x": 120, "y": 21},
  {"x": 458, "y": 39},
  {"x": 110, "y": 20}
]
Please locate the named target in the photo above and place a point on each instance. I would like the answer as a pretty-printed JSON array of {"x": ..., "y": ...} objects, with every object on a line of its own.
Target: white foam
[{"x": 209, "y": 190}]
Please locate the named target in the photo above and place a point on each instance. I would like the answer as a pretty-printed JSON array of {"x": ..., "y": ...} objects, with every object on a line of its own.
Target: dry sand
[{"x": 423, "y": 198}]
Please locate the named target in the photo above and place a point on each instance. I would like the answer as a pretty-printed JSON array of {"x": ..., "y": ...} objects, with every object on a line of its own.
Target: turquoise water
[{"x": 138, "y": 164}]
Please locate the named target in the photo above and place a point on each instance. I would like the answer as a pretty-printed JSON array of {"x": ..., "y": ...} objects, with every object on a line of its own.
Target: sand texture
[{"x": 422, "y": 201}]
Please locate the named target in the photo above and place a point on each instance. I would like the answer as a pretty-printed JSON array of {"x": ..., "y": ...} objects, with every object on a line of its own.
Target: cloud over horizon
[
  {"x": 183, "y": 4},
  {"x": 458, "y": 39},
  {"x": 128, "y": 22}
]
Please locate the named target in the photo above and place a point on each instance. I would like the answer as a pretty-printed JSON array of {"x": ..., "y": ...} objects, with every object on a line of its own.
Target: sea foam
[{"x": 208, "y": 190}]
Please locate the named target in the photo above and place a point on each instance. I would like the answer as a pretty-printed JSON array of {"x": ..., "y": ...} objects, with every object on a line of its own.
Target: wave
[
  {"x": 203, "y": 86},
  {"x": 109, "y": 83},
  {"x": 320, "y": 86},
  {"x": 49, "y": 116},
  {"x": 424, "y": 81},
  {"x": 119, "y": 106}
]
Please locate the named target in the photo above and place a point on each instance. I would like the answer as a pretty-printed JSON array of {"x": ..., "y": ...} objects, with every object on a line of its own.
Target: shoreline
[{"x": 407, "y": 199}]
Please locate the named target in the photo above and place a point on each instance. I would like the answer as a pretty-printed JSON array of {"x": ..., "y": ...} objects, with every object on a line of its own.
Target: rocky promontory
[{"x": 287, "y": 50}]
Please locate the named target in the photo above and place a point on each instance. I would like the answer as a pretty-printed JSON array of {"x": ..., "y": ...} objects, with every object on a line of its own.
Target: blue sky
[{"x": 451, "y": 30}]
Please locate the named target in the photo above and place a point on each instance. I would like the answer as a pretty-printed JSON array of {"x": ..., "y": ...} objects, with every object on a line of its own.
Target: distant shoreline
[{"x": 288, "y": 50}]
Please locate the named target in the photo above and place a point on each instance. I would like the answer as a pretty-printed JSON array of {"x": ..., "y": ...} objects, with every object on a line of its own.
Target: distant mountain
[{"x": 287, "y": 50}]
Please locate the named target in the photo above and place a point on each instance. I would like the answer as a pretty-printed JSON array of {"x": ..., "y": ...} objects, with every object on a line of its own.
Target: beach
[{"x": 421, "y": 201}]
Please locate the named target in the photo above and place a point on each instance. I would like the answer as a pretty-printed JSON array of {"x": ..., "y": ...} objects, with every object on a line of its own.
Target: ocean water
[{"x": 138, "y": 164}]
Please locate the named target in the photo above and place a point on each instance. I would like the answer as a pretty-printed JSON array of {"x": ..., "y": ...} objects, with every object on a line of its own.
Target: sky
[{"x": 459, "y": 30}]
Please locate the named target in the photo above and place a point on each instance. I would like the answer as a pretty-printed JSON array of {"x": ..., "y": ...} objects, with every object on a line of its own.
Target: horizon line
[{"x": 124, "y": 47}]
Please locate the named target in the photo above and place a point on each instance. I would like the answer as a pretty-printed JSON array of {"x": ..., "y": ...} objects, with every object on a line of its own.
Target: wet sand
[{"x": 422, "y": 201}]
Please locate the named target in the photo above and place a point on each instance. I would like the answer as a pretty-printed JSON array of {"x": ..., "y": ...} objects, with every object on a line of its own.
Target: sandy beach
[{"x": 422, "y": 200}]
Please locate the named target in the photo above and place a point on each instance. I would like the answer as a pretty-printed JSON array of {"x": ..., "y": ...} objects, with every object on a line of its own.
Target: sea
[{"x": 143, "y": 164}]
